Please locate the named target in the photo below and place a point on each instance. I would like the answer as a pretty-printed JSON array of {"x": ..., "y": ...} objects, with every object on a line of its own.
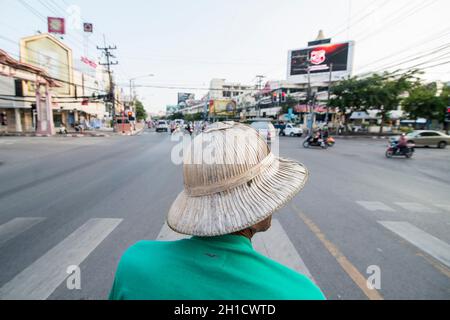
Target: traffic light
[
  {"x": 447, "y": 115},
  {"x": 283, "y": 97},
  {"x": 275, "y": 97}
]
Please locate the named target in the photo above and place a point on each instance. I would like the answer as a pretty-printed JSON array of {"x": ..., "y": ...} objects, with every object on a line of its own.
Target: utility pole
[
  {"x": 310, "y": 100},
  {"x": 112, "y": 99},
  {"x": 329, "y": 91},
  {"x": 259, "y": 88}
]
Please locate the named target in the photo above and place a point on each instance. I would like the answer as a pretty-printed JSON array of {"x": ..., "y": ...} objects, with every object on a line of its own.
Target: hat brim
[{"x": 241, "y": 207}]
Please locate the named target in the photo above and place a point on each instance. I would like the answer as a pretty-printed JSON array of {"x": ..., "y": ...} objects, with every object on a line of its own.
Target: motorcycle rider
[{"x": 402, "y": 144}]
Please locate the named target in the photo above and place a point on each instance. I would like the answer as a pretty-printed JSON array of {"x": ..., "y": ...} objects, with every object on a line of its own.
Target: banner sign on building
[
  {"x": 89, "y": 62},
  {"x": 320, "y": 60},
  {"x": 47, "y": 52},
  {"x": 222, "y": 108},
  {"x": 56, "y": 25}
]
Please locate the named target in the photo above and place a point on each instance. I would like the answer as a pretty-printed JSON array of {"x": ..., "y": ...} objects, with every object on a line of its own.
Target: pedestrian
[{"x": 224, "y": 203}]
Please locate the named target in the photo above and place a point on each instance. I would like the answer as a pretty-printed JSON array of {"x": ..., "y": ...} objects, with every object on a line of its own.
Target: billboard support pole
[
  {"x": 329, "y": 92},
  {"x": 309, "y": 97}
]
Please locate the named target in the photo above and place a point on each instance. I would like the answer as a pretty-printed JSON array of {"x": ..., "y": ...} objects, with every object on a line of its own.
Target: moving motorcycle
[
  {"x": 330, "y": 141},
  {"x": 315, "y": 142},
  {"x": 395, "y": 151}
]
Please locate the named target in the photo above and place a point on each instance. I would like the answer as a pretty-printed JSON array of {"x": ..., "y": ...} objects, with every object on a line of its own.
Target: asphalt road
[{"x": 88, "y": 199}]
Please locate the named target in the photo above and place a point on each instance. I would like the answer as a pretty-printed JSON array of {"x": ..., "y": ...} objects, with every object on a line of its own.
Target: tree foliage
[
  {"x": 141, "y": 113},
  {"x": 423, "y": 102},
  {"x": 382, "y": 92}
]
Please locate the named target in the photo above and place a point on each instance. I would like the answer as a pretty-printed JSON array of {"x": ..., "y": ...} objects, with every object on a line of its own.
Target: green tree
[
  {"x": 381, "y": 92},
  {"x": 141, "y": 113},
  {"x": 423, "y": 102},
  {"x": 177, "y": 115},
  {"x": 385, "y": 93},
  {"x": 349, "y": 95}
]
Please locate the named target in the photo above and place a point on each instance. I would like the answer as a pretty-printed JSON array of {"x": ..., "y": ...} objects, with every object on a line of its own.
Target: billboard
[
  {"x": 47, "y": 52},
  {"x": 320, "y": 60},
  {"x": 183, "y": 97},
  {"x": 225, "y": 108}
]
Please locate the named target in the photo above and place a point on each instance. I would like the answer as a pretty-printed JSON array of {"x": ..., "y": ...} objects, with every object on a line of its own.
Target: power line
[
  {"x": 362, "y": 18},
  {"x": 443, "y": 33},
  {"x": 408, "y": 14},
  {"x": 417, "y": 57}
]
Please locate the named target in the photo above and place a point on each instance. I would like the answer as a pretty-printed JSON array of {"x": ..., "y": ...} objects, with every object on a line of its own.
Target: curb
[{"x": 55, "y": 136}]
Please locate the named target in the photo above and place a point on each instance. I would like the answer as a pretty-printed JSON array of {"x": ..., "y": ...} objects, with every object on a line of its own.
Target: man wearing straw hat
[{"x": 233, "y": 184}]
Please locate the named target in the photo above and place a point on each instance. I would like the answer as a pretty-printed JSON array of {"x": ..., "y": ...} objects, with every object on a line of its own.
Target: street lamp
[{"x": 132, "y": 84}]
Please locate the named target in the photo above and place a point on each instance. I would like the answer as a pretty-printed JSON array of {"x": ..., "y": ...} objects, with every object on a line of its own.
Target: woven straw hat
[{"x": 232, "y": 181}]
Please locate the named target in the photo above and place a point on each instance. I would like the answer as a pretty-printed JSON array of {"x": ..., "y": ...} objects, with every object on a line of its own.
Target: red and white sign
[
  {"x": 318, "y": 57},
  {"x": 56, "y": 25},
  {"x": 89, "y": 62}
]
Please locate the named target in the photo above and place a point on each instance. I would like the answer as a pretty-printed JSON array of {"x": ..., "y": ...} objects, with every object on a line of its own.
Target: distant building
[{"x": 220, "y": 89}]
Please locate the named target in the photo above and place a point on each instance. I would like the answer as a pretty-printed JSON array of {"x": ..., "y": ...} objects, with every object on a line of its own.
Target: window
[{"x": 429, "y": 134}]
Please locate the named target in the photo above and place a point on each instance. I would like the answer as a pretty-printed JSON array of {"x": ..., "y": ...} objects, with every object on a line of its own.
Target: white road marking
[
  {"x": 415, "y": 207},
  {"x": 375, "y": 206},
  {"x": 274, "y": 244},
  {"x": 16, "y": 226},
  {"x": 167, "y": 234},
  {"x": 41, "y": 278},
  {"x": 433, "y": 246}
]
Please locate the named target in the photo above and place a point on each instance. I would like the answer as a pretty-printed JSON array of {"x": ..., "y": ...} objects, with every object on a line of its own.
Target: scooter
[
  {"x": 394, "y": 151},
  {"x": 310, "y": 142},
  {"x": 331, "y": 142}
]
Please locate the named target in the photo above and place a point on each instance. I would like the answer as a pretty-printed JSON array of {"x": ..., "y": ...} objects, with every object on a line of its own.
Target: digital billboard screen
[
  {"x": 183, "y": 97},
  {"x": 320, "y": 60}
]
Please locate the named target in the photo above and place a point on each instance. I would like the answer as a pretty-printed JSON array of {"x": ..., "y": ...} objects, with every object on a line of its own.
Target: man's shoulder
[
  {"x": 148, "y": 247},
  {"x": 296, "y": 285}
]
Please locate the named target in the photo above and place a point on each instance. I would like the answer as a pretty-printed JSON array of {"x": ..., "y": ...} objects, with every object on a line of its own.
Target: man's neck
[{"x": 248, "y": 233}]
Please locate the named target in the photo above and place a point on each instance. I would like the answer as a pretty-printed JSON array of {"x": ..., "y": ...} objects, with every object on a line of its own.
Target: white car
[
  {"x": 265, "y": 129},
  {"x": 292, "y": 131},
  {"x": 162, "y": 125}
]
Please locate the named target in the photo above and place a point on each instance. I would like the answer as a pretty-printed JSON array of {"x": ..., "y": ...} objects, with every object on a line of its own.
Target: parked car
[
  {"x": 292, "y": 131},
  {"x": 162, "y": 125},
  {"x": 427, "y": 138},
  {"x": 265, "y": 129}
]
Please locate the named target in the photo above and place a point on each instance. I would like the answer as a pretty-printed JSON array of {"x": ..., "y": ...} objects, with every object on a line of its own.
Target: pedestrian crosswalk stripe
[
  {"x": 433, "y": 246},
  {"x": 41, "y": 278},
  {"x": 274, "y": 244},
  {"x": 415, "y": 207},
  {"x": 375, "y": 206},
  {"x": 16, "y": 226},
  {"x": 167, "y": 234}
]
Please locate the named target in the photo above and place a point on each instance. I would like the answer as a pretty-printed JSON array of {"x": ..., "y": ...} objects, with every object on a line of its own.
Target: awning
[{"x": 363, "y": 116}]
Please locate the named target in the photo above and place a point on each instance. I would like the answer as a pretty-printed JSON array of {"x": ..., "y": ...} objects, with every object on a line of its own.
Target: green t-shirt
[{"x": 215, "y": 268}]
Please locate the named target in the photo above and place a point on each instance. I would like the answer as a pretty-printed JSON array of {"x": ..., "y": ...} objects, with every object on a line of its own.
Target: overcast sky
[{"x": 187, "y": 43}]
